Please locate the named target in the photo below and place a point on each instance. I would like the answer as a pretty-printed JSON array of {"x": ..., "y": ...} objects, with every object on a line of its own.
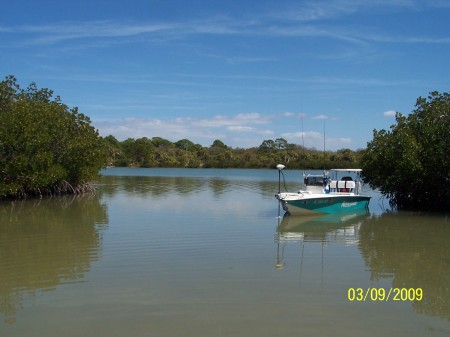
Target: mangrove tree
[
  {"x": 410, "y": 163},
  {"x": 45, "y": 146}
]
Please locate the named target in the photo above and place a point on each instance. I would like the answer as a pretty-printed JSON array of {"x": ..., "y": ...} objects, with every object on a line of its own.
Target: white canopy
[{"x": 347, "y": 170}]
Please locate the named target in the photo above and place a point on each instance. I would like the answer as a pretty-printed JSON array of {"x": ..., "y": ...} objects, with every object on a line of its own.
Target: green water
[{"x": 192, "y": 252}]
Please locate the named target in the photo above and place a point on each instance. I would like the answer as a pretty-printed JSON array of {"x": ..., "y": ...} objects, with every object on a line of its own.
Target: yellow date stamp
[{"x": 384, "y": 295}]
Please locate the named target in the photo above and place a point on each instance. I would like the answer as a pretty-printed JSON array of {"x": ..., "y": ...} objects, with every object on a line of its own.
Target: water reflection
[
  {"x": 413, "y": 250},
  {"x": 198, "y": 252},
  {"x": 342, "y": 228},
  {"x": 324, "y": 228},
  {"x": 144, "y": 186},
  {"x": 410, "y": 249},
  {"x": 44, "y": 243}
]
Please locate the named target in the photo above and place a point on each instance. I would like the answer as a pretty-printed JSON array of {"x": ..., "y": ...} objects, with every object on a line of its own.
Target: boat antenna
[
  {"x": 324, "y": 140},
  {"x": 303, "y": 134},
  {"x": 280, "y": 167},
  {"x": 324, "y": 149}
]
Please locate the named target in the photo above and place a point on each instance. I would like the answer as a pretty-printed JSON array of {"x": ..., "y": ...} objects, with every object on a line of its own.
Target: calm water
[{"x": 191, "y": 252}]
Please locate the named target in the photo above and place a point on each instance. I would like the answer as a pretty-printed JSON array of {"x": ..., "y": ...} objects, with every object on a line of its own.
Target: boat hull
[{"x": 324, "y": 205}]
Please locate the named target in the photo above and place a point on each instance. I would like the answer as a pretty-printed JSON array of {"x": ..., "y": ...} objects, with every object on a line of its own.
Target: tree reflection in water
[
  {"x": 44, "y": 243},
  {"x": 413, "y": 250}
]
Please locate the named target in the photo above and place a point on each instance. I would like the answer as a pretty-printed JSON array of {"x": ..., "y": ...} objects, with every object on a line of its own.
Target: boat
[{"x": 331, "y": 192}]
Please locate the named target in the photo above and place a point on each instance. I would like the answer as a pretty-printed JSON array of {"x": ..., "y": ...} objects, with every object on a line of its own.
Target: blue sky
[{"x": 239, "y": 71}]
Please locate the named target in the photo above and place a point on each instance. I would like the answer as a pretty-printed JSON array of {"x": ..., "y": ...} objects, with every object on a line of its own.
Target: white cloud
[
  {"x": 389, "y": 113},
  {"x": 140, "y": 127},
  {"x": 287, "y": 114},
  {"x": 306, "y": 135},
  {"x": 265, "y": 132},
  {"x": 240, "y": 128},
  {"x": 319, "y": 10},
  {"x": 202, "y": 131},
  {"x": 236, "y": 120},
  {"x": 321, "y": 117},
  {"x": 253, "y": 117},
  {"x": 345, "y": 140},
  {"x": 55, "y": 33},
  {"x": 303, "y": 19},
  {"x": 313, "y": 139}
]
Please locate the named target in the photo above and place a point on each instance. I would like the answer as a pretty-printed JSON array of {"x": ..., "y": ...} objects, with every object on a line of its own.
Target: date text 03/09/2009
[{"x": 381, "y": 294}]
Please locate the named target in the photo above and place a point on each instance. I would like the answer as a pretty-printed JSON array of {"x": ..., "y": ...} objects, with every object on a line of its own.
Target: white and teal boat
[{"x": 336, "y": 192}]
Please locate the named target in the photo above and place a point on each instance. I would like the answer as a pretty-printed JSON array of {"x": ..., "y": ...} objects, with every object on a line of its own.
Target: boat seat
[
  {"x": 346, "y": 184},
  {"x": 343, "y": 185}
]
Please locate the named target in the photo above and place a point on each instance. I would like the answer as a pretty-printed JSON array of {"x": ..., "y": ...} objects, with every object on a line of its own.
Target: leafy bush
[
  {"x": 410, "y": 164},
  {"x": 45, "y": 147}
]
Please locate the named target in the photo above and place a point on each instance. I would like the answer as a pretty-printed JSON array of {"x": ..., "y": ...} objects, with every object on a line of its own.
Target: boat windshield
[
  {"x": 314, "y": 180},
  {"x": 345, "y": 174}
]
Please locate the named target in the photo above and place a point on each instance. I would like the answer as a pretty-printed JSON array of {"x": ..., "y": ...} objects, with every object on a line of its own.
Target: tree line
[{"x": 160, "y": 152}]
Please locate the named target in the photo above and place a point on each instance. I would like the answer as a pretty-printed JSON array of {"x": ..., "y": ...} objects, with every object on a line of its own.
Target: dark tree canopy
[
  {"x": 410, "y": 163},
  {"x": 218, "y": 143},
  {"x": 268, "y": 145},
  {"x": 185, "y": 144},
  {"x": 45, "y": 147}
]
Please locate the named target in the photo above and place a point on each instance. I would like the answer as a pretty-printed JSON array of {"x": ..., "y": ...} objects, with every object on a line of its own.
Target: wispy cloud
[
  {"x": 197, "y": 129},
  {"x": 288, "y": 114},
  {"x": 319, "y": 80},
  {"x": 142, "y": 127},
  {"x": 240, "y": 128},
  {"x": 63, "y": 31},
  {"x": 305, "y": 19},
  {"x": 389, "y": 113},
  {"x": 402, "y": 39},
  {"x": 319, "y": 10},
  {"x": 309, "y": 138},
  {"x": 313, "y": 139},
  {"x": 320, "y": 117},
  {"x": 236, "y": 120},
  {"x": 249, "y": 130}
]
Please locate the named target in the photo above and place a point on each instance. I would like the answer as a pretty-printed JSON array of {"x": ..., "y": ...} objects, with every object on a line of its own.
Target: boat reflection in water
[
  {"x": 338, "y": 227},
  {"x": 330, "y": 227},
  {"x": 402, "y": 250}
]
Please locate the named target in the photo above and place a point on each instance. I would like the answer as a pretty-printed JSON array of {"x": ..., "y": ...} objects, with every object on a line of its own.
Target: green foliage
[
  {"x": 219, "y": 144},
  {"x": 267, "y": 145},
  {"x": 161, "y": 152},
  {"x": 45, "y": 147},
  {"x": 410, "y": 163},
  {"x": 185, "y": 144},
  {"x": 161, "y": 142},
  {"x": 281, "y": 144}
]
